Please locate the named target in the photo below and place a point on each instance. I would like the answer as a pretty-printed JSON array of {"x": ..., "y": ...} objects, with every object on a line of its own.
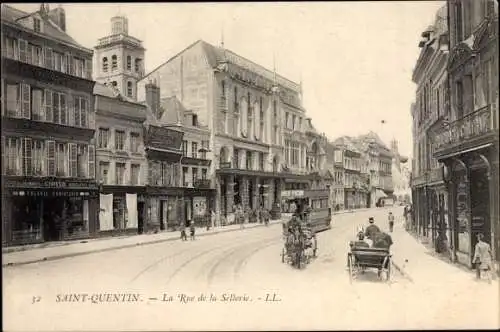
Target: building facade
[
  {"x": 121, "y": 161},
  {"x": 255, "y": 119},
  {"x": 431, "y": 108},
  {"x": 48, "y": 126},
  {"x": 467, "y": 143},
  {"x": 335, "y": 165}
]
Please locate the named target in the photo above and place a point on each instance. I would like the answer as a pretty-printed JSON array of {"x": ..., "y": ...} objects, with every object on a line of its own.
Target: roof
[
  {"x": 50, "y": 30},
  {"x": 173, "y": 110},
  {"x": 135, "y": 112},
  {"x": 103, "y": 90},
  {"x": 349, "y": 143},
  {"x": 216, "y": 55},
  {"x": 373, "y": 137}
]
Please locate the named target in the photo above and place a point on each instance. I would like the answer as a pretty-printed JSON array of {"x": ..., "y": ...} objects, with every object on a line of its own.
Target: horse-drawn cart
[
  {"x": 359, "y": 259},
  {"x": 300, "y": 247}
]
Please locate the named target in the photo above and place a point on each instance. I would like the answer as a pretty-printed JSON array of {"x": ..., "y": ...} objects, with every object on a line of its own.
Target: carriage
[
  {"x": 359, "y": 259},
  {"x": 300, "y": 246}
]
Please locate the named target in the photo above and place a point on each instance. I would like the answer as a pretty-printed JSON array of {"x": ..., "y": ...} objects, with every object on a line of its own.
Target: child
[
  {"x": 192, "y": 229},
  {"x": 483, "y": 257},
  {"x": 183, "y": 232}
]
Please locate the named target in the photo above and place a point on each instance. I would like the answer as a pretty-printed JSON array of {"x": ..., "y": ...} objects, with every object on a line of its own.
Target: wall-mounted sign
[
  {"x": 164, "y": 138},
  {"x": 54, "y": 184},
  {"x": 225, "y": 165},
  {"x": 292, "y": 193}
]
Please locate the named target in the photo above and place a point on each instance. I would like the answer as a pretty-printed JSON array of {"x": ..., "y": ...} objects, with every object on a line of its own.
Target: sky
[{"x": 355, "y": 58}]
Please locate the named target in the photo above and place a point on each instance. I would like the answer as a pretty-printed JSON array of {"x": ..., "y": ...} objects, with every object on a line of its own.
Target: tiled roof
[
  {"x": 138, "y": 112},
  {"x": 173, "y": 110},
  {"x": 50, "y": 29}
]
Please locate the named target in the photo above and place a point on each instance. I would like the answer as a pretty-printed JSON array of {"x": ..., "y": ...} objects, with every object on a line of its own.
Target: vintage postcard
[{"x": 250, "y": 166}]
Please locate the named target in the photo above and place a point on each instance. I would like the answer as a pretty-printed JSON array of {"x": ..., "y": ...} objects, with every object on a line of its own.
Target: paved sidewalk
[
  {"x": 419, "y": 263},
  {"x": 83, "y": 247}
]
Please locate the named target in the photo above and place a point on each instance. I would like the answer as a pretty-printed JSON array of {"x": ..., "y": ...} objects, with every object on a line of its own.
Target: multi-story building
[
  {"x": 195, "y": 162},
  {"x": 400, "y": 175},
  {"x": 255, "y": 119},
  {"x": 316, "y": 159},
  {"x": 431, "y": 108},
  {"x": 467, "y": 143},
  {"x": 48, "y": 120},
  {"x": 335, "y": 164},
  {"x": 121, "y": 161}
]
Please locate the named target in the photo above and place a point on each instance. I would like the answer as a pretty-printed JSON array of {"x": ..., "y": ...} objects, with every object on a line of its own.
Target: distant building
[{"x": 49, "y": 188}]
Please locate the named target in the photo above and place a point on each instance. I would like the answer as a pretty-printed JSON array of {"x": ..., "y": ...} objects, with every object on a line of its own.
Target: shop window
[
  {"x": 77, "y": 217},
  {"x": 119, "y": 213},
  {"x": 26, "y": 221}
]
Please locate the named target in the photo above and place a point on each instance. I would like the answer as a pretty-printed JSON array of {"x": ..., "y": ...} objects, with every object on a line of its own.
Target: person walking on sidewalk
[
  {"x": 391, "y": 221},
  {"x": 182, "y": 228},
  {"x": 192, "y": 229},
  {"x": 483, "y": 257}
]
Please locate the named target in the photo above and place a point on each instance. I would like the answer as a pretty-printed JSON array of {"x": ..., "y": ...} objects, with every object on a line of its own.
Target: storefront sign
[
  {"x": 225, "y": 165},
  {"x": 40, "y": 193},
  {"x": 164, "y": 138},
  {"x": 292, "y": 193},
  {"x": 52, "y": 184}
]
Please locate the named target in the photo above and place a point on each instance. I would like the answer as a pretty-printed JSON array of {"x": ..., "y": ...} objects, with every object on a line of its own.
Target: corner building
[
  {"x": 256, "y": 123},
  {"x": 49, "y": 189}
]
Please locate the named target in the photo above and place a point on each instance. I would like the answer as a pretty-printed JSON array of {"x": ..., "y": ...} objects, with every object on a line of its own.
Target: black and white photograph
[{"x": 237, "y": 166}]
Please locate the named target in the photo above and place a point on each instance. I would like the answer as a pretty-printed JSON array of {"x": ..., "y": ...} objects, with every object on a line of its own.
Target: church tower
[{"x": 119, "y": 59}]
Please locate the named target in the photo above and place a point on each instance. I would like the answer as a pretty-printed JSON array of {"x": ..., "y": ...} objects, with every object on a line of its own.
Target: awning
[{"x": 379, "y": 194}]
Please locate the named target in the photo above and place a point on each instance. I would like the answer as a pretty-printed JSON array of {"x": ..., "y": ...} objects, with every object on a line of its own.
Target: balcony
[
  {"x": 472, "y": 130},
  {"x": 202, "y": 184},
  {"x": 105, "y": 41}
]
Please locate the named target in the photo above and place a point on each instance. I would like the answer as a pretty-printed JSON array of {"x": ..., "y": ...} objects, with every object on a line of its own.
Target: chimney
[
  {"x": 153, "y": 97},
  {"x": 58, "y": 16}
]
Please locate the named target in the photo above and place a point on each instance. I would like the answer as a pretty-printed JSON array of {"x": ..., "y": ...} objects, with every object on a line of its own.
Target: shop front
[
  {"x": 164, "y": 208},
  {"x": 37, "y": 211},
  {"x": 122, "y": 210},
  {"x": 198, "y": 203}
]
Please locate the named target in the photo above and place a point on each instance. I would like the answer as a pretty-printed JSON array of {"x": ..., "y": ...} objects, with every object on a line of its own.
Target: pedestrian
[
  {"x": 182, "y": 228},
  {"x": 391, "y": 221},
  {"x": 483, "y": 257},
  {"x": 213, "y": 218},
  {"x": 191, "y": 229}
]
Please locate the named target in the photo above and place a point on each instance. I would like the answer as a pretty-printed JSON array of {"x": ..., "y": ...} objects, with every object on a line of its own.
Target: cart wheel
[
  {"x": 283, "y": 255},
  {"x": 351, "y": 268},
  {"x": 388, "y": 271}
]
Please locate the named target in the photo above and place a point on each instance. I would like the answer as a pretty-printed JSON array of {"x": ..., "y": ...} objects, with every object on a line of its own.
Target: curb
[{"x": 144, "y": 243}]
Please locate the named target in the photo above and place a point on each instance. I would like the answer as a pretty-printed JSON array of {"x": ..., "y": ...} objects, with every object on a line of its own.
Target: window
[
  {"x": 58, "y": 61},
  {"x": 184, "y": 148},
  {"x": 194, "y": 120},
  {"x": 103, "y": 172},
  {"x": 203, "y": 173},
  {"x": 23, "y": 50},
  {"x": 61, "y": 159},
  {"x": 119, "y": 173},
  {"x": 236, "y": 99},
  {"x": 82, "y": 161},
  {"x": 105, "y": 64},
  {"x": 12, "y": 98},
  {"x": 293, "y": 122},
  {"x": 195, "y": 174},
  {"x": 138, "y": 65},
  {"x": 37, "y": 25},
  {"x": 12, "y": 156},
  {"x": 12, "y": 49},
  {"x": 249, "y": 159},
  {"x": 134, "y": 142},
  {"x": 37, "y": 107},
  {"x": 37, "y": 56},
  {"x": 223, "y": 89},
  {"x": 49, "y": 58},
  {"x": 114, "y": 84},
  {"x": 194, "y": 150},
  {"x": 134, "y": 174},
  {"x": 119, "y": 140},
  {"x": 38, "y": 158},
  {"x": 81, "y": 113},
  {"x": 129, "y": 62},
  {"x": 185, "y": 172},
  {"x": 204, "y": 147},
  {"x": 458, "y": 22},
  {"x": 80, "y": 69},
  {"x": 129, "y": 89},
  {"x": 261, "y": 161},
  {"x": 287, "y": 124},
  {"x": 103, "y": 139},
  {"x": 236, "y": 158},
  {"x": 114, "y": 62},
  {"x": 59, "y": 108}
]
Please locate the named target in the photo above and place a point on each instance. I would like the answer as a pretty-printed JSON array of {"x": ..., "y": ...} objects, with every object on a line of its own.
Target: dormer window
[{"x": 37, "y": 25}]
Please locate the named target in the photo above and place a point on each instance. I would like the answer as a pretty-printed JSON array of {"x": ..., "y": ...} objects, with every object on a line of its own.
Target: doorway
[
  {"x": 480, "y": 205},
  {"x": 140, "y": 217}
]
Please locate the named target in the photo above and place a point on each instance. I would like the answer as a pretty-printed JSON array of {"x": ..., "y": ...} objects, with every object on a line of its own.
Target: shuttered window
[
  {"x": 70, "y": 64},
  {"x": 29, "y": 54},
  {"x": 48, "y": 105},
  {"x": 49, "y": 58},
  {"x": 73, "y": 160},
  {"x": 25, "y": 101},
  {"x": 27, "y": 158},
  {"x": 91, "y": 153},
  {"x": 4, "y": 159},
  {"x": 23, "y": 50},
  {"x": 37, "y": 107},
  {"x": 38, "y": 157},
  {"x": 51, "y": 158},
  {"x": 13, "y": 105}
]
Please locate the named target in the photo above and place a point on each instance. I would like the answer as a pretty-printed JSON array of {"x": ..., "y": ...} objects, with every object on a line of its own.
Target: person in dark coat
[
  {"x": 371, "y": 229},
  {"x": 382, "y": 240}
]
